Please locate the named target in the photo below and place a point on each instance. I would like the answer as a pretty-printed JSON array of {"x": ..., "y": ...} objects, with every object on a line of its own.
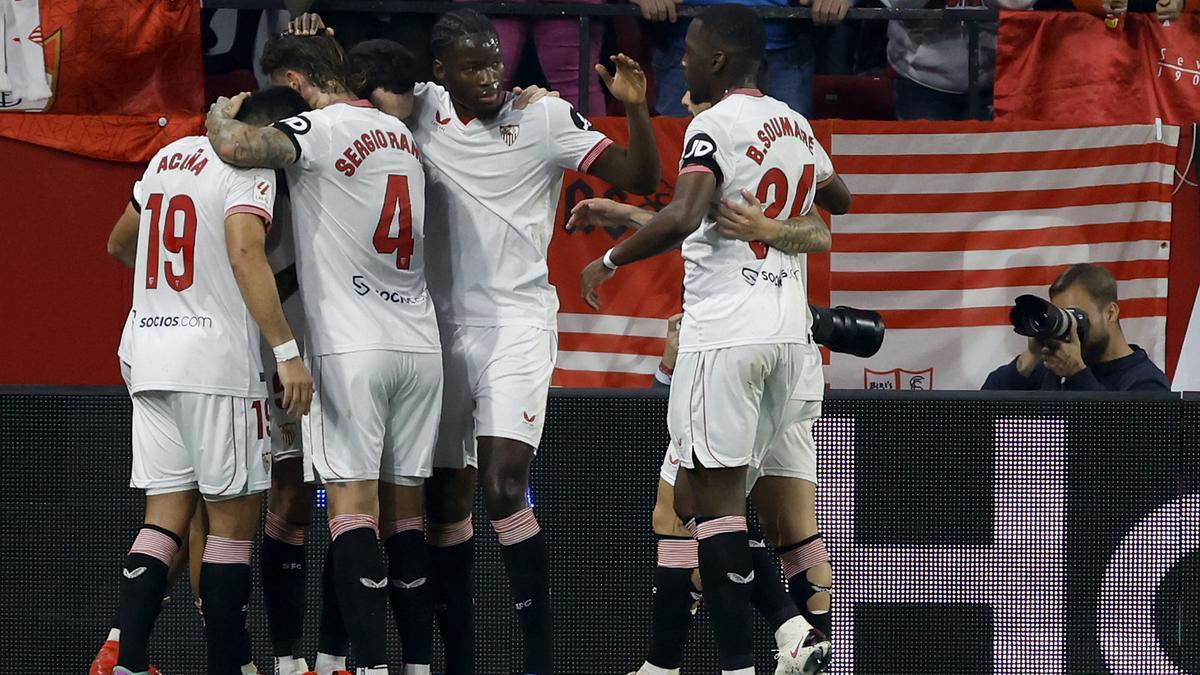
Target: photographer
[{"x": 1102, "y": 361}]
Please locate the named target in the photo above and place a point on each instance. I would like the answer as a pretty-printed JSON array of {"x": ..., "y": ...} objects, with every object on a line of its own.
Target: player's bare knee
[
  {"x": 172, "y": 511},
  {"x": 353, "y": 497},
  {"x": 504, "y": 491},
  {"x": 450, "y": 495},
  {"x": 666, "y": 522},
  {"x": 235, "y": 518}
]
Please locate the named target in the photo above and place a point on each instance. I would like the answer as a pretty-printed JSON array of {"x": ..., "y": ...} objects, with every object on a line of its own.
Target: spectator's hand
[
  {"x": 599, "y": 212},
  {"x": 589, "y": 281},
  {"x": 1064, "y": 359},
  {"x": 1169, "y": 10},
  {"x": 629, "y": 84},
  {"x": 309, "y": 23},
  {"x": 1116, "y": 6},
  {"x": 527, "y": 96},
  {"x": 1030, "y": 358},
  {"x": 829, "y": 12},
  {"x": 658, "y": 10},
  {"x": 745, "y": 221},
  {"x": 671, "y": 350}
]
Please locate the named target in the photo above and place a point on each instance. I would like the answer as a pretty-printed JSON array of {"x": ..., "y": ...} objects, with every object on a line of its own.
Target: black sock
[
  {"x": 283, "y": 568},
  {"x": 225, "y": 592},
  {"x": 768, "y": 595},
  {"x": 528, "y": 567},
  {"x": 453, "y": 593},
  {"x": 411, "y": 594},
  {"x": 673, "y": 601},
  {"x": 727, "y": 573},
  {"x": 143, "y": 582},
  {"x": 361, "y": 579},
  {"x": 798, "y": 559},
  {"x": 331, "y": 638}
]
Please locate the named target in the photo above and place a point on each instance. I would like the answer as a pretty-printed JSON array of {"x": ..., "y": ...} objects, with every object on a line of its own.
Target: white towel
[{"x": 24, "y": 60}]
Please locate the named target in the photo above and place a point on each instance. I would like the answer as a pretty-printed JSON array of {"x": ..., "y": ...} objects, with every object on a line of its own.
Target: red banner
[
  {"x": 126, "y": 77},
  {"x": 1069, "y": 66}
]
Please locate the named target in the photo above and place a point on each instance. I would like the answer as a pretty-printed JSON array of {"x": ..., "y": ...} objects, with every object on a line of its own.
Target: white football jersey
[
  {"x": 493, "y": 191},
  {"x": 190, "y": 329},
  {"x": 738, "y": 293},
  {"x": 358, "y": 206}
]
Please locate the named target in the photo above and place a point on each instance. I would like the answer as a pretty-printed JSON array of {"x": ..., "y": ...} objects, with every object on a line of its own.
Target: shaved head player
[{"x": 740, "y": 386}]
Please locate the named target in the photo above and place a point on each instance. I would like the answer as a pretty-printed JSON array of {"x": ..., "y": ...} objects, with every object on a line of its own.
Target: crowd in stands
[{"x": 824, "y": 67}]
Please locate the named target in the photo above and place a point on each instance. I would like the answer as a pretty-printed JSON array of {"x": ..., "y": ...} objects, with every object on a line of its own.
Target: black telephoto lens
[{"x": 847, "y": 330}]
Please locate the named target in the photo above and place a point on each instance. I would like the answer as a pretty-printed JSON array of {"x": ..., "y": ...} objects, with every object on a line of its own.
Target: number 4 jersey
[
  {"x": 358, "y": 206},
  {"x": 190, "y": 329},
  {"x": 739, "y": 293}
]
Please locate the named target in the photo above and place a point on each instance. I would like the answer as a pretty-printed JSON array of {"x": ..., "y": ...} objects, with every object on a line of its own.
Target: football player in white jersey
[
  {"x": 495, "y": 175},
  {"x": 203, "y": 290},
  {"x": 746, "y": 353},
  {"x": 357, "y": 192}
]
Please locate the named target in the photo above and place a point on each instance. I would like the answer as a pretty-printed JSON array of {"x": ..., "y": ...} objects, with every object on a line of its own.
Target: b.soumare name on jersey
[
  {"x": 773, "y": 130},
  {"x": 355, "y": 154}
]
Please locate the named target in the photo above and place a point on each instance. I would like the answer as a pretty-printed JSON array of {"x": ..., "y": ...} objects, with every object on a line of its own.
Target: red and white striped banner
[
  {"x": 950, "y": 223},
  {"x": 948, "y": 228}
]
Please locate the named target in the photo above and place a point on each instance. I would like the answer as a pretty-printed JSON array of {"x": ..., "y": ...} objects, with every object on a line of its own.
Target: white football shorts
[
  {"x": 374, "y": 415},
  {"x": 497, "y": 382},
  {"x": 186, "y": 441},
  {"x": 734, "y": 407}
]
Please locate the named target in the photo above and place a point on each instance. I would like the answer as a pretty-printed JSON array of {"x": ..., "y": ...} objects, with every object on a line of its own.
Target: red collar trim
[
  {"x": 465, "y": 120},
  {"x": 744, "y": 91},
  {"x": 357, "y": 103}
]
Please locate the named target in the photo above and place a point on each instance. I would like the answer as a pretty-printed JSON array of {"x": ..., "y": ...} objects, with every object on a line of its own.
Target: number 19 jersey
[
  {"x": 358, "y": 206},
  {"x": 738, "y": 293},
  {"x": 189, "y": 329}
]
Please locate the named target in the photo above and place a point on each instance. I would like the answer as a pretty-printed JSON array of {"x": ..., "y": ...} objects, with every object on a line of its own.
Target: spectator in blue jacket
[
  {"x": 1105, "y": 362},
  {"x": 789, "y": 61}
]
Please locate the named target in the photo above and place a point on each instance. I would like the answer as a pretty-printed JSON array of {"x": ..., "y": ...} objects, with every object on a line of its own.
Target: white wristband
[
  {"x": 286, "y": 351},
  {"x": 607, "y": 260}
]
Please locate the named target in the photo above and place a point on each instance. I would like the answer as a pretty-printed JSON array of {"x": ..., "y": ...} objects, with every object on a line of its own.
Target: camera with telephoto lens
[
  {"x": 1034, "y": 317},
  {"x": 847, "y": 330}
]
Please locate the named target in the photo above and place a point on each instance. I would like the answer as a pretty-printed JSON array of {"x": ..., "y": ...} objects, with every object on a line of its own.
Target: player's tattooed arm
[
  {"x": 122, "y": 242},
  {"x": 746, "y": 221},
  {"x": 241, "y": 144},
  {"x": 635, "y": 169}
]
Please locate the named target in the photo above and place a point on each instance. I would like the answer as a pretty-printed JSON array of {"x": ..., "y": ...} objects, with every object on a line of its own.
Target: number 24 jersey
[{"x": 735, "y": 292}]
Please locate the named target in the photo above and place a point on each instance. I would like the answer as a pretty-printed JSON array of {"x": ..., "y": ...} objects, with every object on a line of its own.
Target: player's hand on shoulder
[
  {"x": 309, "y": 23},
  {"x": 595, "y": 274},
  {"x": 745, "y": 220},
  {"x": 225, "y": 108},
  {"x": 297, "y": 386},
  {"x": 527, "y": 96},
  {"x": 628, "y": 85}
]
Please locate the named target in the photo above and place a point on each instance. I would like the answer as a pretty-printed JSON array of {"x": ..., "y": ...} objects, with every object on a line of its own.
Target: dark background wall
[{"x": 932, "y": 476}]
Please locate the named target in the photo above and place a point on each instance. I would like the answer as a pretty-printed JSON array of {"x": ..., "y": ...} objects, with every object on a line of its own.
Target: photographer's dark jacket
[{"x": 1135, "y": 372}]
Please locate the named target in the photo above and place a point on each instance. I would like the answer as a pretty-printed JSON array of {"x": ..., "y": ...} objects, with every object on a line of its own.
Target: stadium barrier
[
  {"x": 970, "y": 533},
  {"x": 970, "y": 16}
]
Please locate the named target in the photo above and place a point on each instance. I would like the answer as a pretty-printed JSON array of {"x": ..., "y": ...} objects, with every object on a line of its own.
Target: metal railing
[{"x": 969, "y": 17}]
